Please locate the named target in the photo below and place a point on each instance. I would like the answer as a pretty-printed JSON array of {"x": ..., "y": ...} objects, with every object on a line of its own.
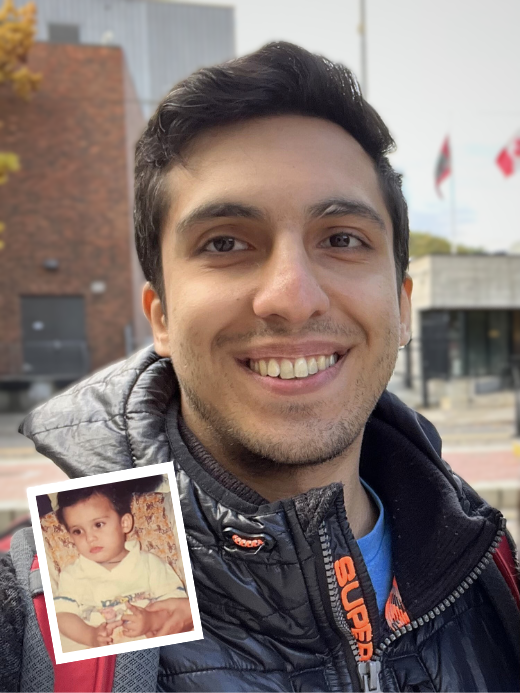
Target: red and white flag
[
  {"x": 443, "y": 166},
  {"x": 508, "y": 160}
]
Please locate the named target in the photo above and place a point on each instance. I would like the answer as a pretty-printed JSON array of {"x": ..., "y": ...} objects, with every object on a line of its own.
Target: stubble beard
[{"x": 320, "y": 444}]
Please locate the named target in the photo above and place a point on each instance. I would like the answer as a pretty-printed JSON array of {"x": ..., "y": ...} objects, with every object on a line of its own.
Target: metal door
[
  {"x": 54, "y": 336},
  {"x": 434, "y": 343}
]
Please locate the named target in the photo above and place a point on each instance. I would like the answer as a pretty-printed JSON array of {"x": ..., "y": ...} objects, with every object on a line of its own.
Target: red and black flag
[{"x": 443, "y": 167}]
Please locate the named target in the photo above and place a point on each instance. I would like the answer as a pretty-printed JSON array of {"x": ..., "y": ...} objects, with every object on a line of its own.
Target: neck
[
  {"x": 276, "y": 481},
  {"x": 110, "y": 565}
]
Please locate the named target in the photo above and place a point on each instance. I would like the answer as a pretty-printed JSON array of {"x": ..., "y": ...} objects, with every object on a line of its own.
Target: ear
[
  {"x": 153, "y": 310},
  {"x": 405, "y": 311},
  {"x": 127, "y": 522}
]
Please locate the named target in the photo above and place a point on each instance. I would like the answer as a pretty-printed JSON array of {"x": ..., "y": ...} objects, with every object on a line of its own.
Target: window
[{"x": 63, "y": 33}]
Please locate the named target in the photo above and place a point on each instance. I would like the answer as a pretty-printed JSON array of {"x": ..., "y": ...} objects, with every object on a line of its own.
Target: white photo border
[{"x": 165, "y": 468}]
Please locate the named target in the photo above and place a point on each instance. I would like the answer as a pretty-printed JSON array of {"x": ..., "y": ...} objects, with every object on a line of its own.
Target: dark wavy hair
[
  {"x": 278, "y": 79},
  {"x": 119, "y": 494}
]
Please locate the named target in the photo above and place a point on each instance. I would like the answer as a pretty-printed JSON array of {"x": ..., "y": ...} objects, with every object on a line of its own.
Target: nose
[
  {"x": 289, "y": 287},
  {"x": 91, "y": 536}
]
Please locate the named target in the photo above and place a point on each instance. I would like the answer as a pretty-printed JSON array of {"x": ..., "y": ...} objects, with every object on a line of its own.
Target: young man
[{"x": 331, "y": 546}]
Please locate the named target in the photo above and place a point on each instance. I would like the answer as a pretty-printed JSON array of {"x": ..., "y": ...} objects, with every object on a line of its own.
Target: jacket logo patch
[
  {"x": 245, "y": 542},
  {"x": 354, "y": 605}
]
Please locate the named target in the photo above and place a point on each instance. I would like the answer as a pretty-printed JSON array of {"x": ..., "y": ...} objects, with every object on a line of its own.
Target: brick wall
[{"x": 71, "y": 200}]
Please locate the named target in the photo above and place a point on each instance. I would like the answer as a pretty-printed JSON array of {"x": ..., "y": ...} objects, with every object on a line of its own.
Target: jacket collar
[
  {"x": 116, "y": 419},
  {"x": 110, "y": 421},
  {"x": 438, "y": 536}
]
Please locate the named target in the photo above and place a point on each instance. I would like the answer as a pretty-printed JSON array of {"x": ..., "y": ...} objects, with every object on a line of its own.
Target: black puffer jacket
[{"x": 274, "y": 618}]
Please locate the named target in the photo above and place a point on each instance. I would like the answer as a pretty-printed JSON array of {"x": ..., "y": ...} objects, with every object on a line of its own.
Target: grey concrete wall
[{"x": 466, "y": 281}]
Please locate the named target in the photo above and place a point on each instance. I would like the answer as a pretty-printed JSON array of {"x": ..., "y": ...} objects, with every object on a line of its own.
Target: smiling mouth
[{"x": 287, "y": 369}]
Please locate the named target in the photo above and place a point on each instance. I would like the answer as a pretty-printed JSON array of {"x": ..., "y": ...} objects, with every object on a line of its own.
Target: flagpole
[
  {"x": 362, "y": 32},
  {"x": 453, "y": 209},
  {"x": 453, "y": 204}
]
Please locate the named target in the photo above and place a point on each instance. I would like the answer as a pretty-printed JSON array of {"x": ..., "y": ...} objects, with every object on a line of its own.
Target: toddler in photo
[{"x": 106, "y": 596}]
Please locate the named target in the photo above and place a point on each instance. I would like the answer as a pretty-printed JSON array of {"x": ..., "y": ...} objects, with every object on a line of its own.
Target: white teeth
[
  {"x": 300, "y": 368},
  {"x": 323, "y": 363},
  {"x": 287, "y": 370},
  {"x": 273, "y": 369}
]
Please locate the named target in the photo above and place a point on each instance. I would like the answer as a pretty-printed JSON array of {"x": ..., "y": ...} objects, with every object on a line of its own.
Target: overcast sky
[{"x": 434, "y": 67}]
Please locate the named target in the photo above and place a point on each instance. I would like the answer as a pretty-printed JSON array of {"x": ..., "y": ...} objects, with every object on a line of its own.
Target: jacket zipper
[{"x": 368, "y": 671}]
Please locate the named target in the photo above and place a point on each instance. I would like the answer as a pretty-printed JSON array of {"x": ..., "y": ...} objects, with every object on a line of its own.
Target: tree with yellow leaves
[{"x": 17, "y": 31}]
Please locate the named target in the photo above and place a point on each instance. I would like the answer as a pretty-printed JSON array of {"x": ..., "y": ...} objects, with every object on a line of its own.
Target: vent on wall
[{"x": 63, "y": 33}]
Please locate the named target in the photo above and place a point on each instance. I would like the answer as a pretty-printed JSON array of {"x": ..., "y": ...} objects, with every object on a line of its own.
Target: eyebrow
[
  {"x": 342, "y": 207},
  {"x": 217, "y": 210},
  {"x": 94, "y": 520},
  {"x": 331, "y": 207}
]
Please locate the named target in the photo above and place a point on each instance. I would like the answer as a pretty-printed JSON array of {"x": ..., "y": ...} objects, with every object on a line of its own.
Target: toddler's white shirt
[{"x": 97, "y": 594}]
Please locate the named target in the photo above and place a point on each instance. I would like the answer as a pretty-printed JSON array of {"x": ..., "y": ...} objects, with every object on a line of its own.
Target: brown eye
[
  {"x": 224, "y": 244},
  {"x": 342, "y": 240}
]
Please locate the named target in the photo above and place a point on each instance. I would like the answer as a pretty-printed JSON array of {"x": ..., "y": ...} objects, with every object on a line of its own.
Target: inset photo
[{"x": 114, "y": 563}]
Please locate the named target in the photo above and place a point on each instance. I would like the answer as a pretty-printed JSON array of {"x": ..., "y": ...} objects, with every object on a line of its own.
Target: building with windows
[
  {"x": 70, "y": 283},
  {"x": 66, "y": 279},
  {"x": 466, "y": 320},
  {"x": 163, "y": 42}
]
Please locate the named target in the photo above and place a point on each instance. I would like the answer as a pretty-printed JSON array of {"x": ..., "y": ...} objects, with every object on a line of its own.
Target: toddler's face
[{"x": 97, "y": 530}]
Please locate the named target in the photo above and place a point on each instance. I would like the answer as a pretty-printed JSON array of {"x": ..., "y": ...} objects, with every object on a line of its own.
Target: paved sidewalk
[
  {"x": 488, "y": 465},
  {"x": 20, "y": 468},
  {"x": 479, "y": 439},
  {"x": 10, "y": 439},
  {"x": 17, "y": 476}
]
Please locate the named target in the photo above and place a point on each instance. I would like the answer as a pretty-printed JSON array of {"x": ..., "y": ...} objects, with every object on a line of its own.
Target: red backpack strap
[
  {"x": 86, "y": 676},
  {"x": 505, "y": 562}
]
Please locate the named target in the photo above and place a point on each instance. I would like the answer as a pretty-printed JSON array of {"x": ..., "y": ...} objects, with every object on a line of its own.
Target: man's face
[
  {"x": 96, "y": 529},
  {"x": 278, "y": 254}
]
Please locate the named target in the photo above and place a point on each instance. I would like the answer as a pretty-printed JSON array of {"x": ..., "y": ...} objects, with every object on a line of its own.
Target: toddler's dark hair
[{"x": 119, "y": 494}]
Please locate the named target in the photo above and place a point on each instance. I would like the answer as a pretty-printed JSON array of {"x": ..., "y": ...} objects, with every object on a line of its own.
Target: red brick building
[{"x": 69, "y": 281}]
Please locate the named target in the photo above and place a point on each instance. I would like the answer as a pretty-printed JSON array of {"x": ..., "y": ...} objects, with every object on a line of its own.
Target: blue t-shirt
[{"x": 376, "y": 549}]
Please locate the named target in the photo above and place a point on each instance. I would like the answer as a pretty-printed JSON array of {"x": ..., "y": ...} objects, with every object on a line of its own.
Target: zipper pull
[{"x": 369, "y": 675}]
